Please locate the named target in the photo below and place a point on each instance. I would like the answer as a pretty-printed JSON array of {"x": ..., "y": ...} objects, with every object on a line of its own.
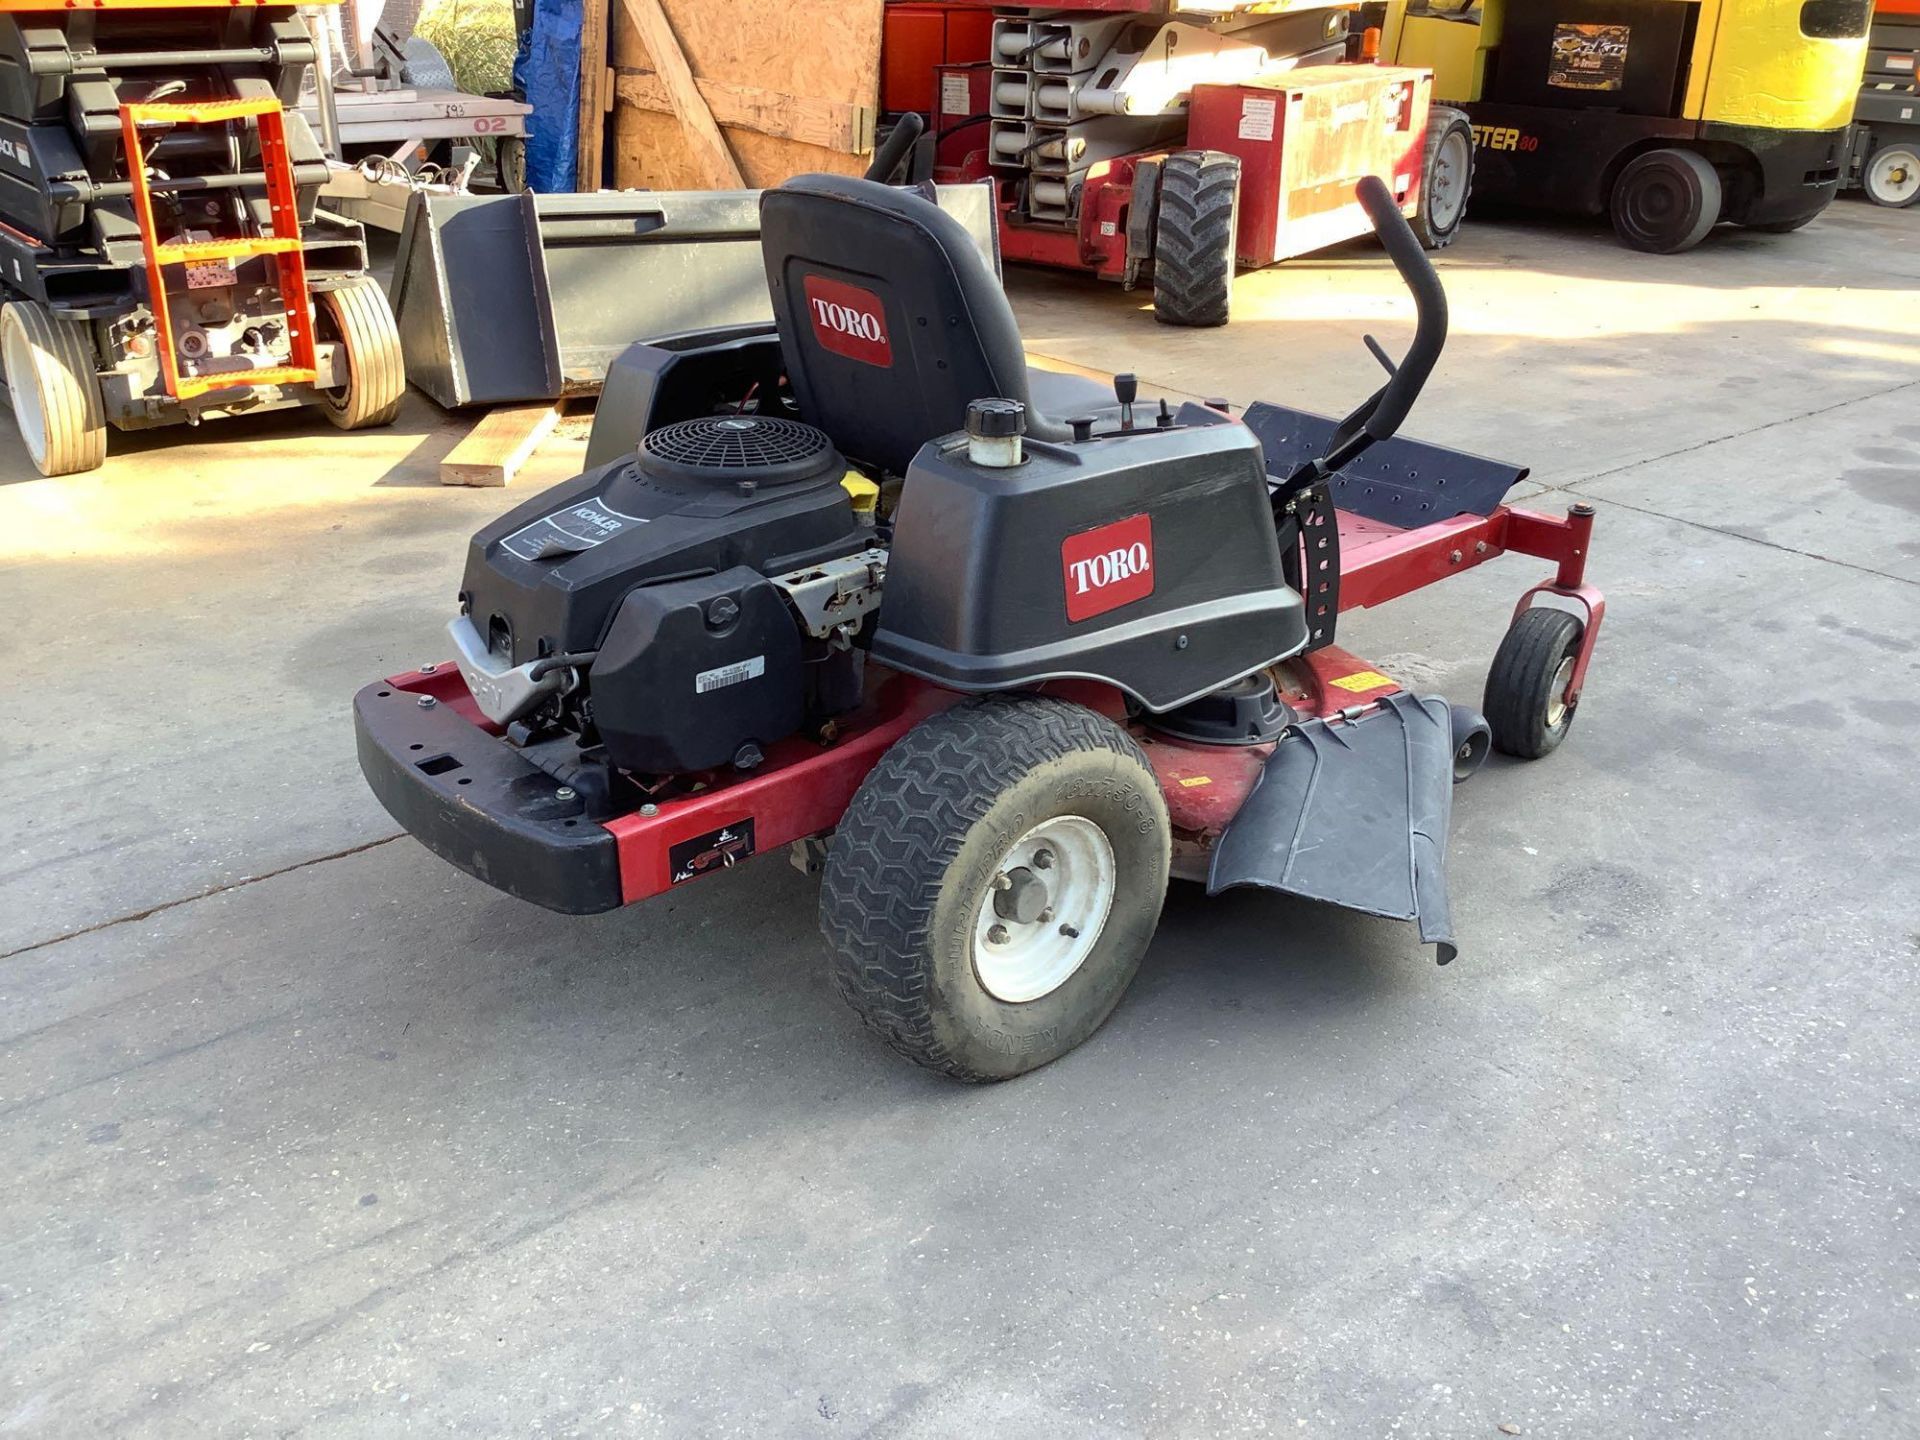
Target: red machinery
[
  {"x": 1041, "y": 676},
  {"x": 1110, "y": 157},
  {"x": 803, "y": 788}
]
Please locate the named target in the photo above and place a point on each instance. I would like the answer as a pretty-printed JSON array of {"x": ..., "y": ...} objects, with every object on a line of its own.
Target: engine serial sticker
[
  {"x": 722, "y": 676},
  {"x": 568, "y": 532}
]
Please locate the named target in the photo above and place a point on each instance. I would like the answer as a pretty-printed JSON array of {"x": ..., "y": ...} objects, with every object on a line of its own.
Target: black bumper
[
  {"x": 471, "y": 799},
  {"x": 1800, "y": 171}
]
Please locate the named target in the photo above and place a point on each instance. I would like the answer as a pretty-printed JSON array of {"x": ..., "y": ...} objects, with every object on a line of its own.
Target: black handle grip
[
  {"x": 892, "y": 155},
  {"x": 1429, "y": 300}
]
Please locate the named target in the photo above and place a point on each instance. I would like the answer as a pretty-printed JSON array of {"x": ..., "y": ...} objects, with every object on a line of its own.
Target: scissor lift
[{"x": 162, "y": 257}]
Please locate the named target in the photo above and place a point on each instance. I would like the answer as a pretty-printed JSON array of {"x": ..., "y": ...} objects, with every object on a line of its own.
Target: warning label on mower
[
  {"x": 716, "y": 850},
  {"x": 568, "y": 532}
]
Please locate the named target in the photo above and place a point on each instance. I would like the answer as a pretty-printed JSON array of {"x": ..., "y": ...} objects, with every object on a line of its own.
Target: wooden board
[
  {"x": 498, "y": 444},
  {"x": 595, "y": 96},
  {"x": 792, "y": 84}
]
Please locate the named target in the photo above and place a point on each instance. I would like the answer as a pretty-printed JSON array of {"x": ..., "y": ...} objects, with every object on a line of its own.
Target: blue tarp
[{"x": 548, "y": 73}]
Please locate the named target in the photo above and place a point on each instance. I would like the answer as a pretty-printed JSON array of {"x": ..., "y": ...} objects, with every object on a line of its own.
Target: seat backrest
[{"x": 890, "y": 319}]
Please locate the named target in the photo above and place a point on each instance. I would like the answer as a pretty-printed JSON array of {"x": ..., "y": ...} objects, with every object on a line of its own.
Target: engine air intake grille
[{"x": 733, "y": 444}]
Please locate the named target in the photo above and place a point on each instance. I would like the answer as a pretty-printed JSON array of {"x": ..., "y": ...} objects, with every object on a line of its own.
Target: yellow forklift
[{"x": 1669, "y": 116}]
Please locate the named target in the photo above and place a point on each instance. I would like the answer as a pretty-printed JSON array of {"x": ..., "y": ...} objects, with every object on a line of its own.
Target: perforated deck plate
[
  {"x": 1400, "y": 482},
  {"x": 1354, "y": 813}
]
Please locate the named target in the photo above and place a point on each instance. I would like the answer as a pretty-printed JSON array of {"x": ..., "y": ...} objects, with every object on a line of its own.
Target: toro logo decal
[
  {"x": 848, "y": 321},
  {"x": 1108, "y": 567}
]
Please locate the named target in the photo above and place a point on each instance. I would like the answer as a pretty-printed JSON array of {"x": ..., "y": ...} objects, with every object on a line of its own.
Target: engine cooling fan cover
[{"x": 727, "y": 449}]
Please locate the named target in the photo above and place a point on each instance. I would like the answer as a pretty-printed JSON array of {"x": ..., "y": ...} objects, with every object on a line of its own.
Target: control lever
[
  {"x": 1165, "y": 418},
  {"x": 1378, "y": 417},
  {"x": 1126, "y": 388}
]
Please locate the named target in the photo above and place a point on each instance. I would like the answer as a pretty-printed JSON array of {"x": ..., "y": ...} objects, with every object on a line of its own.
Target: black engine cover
[
  {"x": 691, "y": 670},
  {"x": 547, "y": 576}
]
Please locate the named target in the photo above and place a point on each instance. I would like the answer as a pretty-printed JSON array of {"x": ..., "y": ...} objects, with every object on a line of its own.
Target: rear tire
[
  {"x": 1525, "y": 701},
  {"x": 1665, "y": 201},
  {"x": 1194, "y": 238},
  {"x": 54, "y": 388},
  {"x": 356, "y": 315},
  {"x": 1891, "y": 176},
  {"x": 1446, "y": 177},
  {"x": 955, "y": 940}
]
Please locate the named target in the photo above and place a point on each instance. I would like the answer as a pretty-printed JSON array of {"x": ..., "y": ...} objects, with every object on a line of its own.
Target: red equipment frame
[{"x": 804, "y": 786}]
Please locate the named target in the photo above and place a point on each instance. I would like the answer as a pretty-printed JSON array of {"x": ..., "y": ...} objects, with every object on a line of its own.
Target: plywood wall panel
[{"x": 821, "y": 50}]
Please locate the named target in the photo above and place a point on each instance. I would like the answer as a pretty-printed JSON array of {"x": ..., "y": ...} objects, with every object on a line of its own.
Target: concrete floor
[{"x": 307, "y": 1134}]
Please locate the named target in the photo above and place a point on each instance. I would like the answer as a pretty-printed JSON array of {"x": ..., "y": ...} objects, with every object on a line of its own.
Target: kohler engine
[{"x": 677, "y": 611}]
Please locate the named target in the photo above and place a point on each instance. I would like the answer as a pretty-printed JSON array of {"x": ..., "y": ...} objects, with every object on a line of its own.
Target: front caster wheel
[
  {"x": 1526, "y": 699},
  {"x": 992, "y": 888}
]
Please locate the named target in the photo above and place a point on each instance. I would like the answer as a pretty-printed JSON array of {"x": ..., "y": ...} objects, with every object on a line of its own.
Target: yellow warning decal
[
  {"x": 1362, "y": 680},
  {"x": 1190, "y": 782}
]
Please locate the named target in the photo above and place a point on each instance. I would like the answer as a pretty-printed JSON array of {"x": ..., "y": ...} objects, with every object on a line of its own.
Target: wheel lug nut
[
  {"x": 1043, "y": 859},
  {"x": 997, "y": 934},
  {"x": 1003, "y": 882},
  {"x": 1046, "y": 916},
  {"x": 1070, "y": 932}
]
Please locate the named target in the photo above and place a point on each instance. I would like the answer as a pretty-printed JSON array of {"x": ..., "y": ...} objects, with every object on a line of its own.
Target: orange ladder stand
[{"x": 283, "y": 244}]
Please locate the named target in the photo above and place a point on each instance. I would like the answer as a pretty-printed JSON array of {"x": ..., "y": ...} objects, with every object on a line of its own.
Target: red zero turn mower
[{"x": 999, "y": 682}]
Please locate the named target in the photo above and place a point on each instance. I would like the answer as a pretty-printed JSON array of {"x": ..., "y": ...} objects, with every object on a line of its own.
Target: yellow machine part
[
  {"x": 1764, "y": 71},
  {"x": 1751, "y": 65},
  {"x": 1455, "y": 50},
  {"x": 864, "y": 494}
]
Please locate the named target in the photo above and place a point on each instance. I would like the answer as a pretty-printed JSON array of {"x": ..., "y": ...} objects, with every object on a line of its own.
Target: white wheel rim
[
  {"x": 23, "y": 384},
  {"x": 1064, "y": 869},
  {"x": 1895, "y": 175},
  {"x": 1557, "y": 698},
  {"x": 1449, "y": 181}
]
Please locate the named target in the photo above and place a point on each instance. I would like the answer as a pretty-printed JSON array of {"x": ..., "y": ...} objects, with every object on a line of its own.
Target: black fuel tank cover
[{"x": 726, "y": 449}]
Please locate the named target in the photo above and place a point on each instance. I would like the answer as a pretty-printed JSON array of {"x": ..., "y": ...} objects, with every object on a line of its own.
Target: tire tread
[
  {"x": 900, "y": 837},
  {"x": 1516, "y": 699},
  {"x": 1194, "y": 238},
  {"x": 68, "y": 387},
  {"x": 365, "y": 325}
]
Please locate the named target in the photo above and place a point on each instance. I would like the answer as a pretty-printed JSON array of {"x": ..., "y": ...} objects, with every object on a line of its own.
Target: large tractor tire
[
  {"x": 1446, "y": 177},
  {"x": 992, "y": 888},
  {"x": 1194, "y": 237},
  {"x": 54, "y": 388},
  {"x": 1665, "y": 201},
  {"x": 357, "y": 316}
]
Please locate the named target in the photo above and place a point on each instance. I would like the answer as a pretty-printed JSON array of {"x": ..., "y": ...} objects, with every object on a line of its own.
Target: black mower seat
[{"x": 891, "y": 321}]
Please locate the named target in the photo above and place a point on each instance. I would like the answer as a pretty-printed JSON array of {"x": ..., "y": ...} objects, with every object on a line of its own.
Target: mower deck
[{"x": 444, "y": 771}]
